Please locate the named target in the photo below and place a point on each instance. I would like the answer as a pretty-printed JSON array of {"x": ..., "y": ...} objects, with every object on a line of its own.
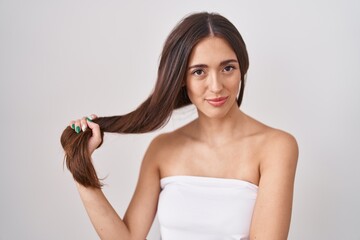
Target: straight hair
[{"x": 170, "y": 92}]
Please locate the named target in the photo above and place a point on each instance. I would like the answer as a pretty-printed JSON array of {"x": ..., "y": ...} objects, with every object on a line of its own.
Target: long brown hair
[{"x": 169, "y": 93}]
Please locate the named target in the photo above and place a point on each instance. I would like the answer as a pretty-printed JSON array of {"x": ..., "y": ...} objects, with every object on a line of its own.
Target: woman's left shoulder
[
  {"x": 275, "y": 146},
  {"x": 280, "y": 146},
  {"x": 272, "y": 138},
  {"x": 280, "y": 137}
]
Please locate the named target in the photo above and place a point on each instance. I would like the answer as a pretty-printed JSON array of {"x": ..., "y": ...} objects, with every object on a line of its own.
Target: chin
[{"x": 217, "y": 113}]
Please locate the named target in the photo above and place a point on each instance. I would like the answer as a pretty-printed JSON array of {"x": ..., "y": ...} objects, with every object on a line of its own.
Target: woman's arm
[
  {"x": 139, "y": 216},
  {"x": 272, "y": 213},
  {"x": 104, "y": 218},
  {"x": 142, "y": 209}
]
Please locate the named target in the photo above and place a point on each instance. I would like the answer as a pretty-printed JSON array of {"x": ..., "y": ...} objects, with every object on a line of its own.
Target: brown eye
[
  {"x": 198, "y": 72},
  {"x": 228, "y": 68}
]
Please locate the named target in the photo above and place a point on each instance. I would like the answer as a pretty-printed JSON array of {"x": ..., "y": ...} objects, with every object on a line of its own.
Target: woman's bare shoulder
[
  {"x": 166, "y": 143},
  {"x": 280, "y": 141},
  {"x": 167, "y": 140},
  {"x": 269, "y": 133},
  {"x": 164, "y": 150},
  {"x": 274, "y": 142}
]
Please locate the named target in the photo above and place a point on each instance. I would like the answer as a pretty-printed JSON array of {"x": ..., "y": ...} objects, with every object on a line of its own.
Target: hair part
[{"x": 169, "y": 93}]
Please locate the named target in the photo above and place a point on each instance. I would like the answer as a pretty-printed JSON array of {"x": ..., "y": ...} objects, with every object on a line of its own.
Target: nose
[{"x": 215, "y": 83}]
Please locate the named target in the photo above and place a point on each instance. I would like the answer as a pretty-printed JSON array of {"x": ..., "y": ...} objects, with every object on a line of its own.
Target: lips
[{"x": 217, "y": 102}]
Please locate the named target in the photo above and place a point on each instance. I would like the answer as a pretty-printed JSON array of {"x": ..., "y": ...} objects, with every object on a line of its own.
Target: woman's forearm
[{"x": 104, "y": 218}]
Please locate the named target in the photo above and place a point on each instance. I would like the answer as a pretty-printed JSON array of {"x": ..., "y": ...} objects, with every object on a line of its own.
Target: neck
[{"x": 217, "y": 131}]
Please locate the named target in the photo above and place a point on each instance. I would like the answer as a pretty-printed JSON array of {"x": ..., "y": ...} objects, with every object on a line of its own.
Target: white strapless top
[{"x": 205, "y": 208}]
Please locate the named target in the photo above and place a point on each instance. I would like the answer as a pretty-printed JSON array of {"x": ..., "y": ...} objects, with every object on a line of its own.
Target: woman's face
[{"x": 213, "y": 77}]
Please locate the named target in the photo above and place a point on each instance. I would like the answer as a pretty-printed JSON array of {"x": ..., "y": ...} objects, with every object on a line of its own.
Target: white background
[{"x": 61, "y": 60}]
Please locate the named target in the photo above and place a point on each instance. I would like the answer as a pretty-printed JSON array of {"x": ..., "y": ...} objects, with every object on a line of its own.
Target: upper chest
[{"x": 235, "y": 159}]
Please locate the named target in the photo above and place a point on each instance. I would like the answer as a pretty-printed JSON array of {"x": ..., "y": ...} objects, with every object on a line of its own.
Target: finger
[
  {"x": 92, "y": 116},
  {"x": 77, "y": 126},
  {"x": 72, "y": 124},
  {"x": 83, "y": 124},
  {"x": 95, "y": 129}
]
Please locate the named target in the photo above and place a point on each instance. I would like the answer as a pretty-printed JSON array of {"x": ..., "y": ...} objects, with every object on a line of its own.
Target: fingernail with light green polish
[
  {"x": 89, "y": 119},
  {"x": 73, "y": 126},
  {"x": 83, "y": 128},
  {"x": 77, "y": 129}
]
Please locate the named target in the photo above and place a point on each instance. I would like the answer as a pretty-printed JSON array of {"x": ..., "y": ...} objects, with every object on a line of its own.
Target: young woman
[{"x": 224, "y": 175}]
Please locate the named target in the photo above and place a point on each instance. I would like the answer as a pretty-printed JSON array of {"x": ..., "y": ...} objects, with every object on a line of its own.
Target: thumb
[{"x": 95, "y": 129}]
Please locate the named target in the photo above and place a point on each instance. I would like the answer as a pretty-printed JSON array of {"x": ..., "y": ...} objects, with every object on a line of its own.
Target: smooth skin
[{"x": 223, "y": 142}]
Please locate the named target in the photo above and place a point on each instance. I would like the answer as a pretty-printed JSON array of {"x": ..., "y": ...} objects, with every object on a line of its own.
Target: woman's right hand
[{"x": 82, "y": 125}]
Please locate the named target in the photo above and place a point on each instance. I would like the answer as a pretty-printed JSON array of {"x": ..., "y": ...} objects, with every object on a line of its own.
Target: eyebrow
[{"x": 225, "y": 62}]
